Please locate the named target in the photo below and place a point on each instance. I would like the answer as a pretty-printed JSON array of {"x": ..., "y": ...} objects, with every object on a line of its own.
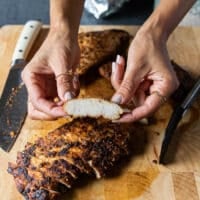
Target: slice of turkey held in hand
[{"x": 94, "y": 108}]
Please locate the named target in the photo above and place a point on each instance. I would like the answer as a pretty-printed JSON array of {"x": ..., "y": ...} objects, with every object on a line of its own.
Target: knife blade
[
  {"x": 176, "y": 117},
  {"x": 13, "y": 100}
]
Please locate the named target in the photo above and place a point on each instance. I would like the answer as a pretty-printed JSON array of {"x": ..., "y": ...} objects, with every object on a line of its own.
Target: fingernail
[
  {"x": 118, "y": 59},
  {"x": 113, "y": 67},
  {"x": 117, "y": 98},
  {"x": 68, "y": 96},
  {"x": 76, "y": 79}
]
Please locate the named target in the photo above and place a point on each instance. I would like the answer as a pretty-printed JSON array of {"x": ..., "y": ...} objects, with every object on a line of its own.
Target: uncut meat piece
[
  {"x": 99, "y": 47},
  {"x": 50, "y": 165}
]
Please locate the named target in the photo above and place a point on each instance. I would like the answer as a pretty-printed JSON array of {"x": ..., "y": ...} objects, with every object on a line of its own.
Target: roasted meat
[
  {"x": 50, "y": 165},
  {"x": 99, "y": 47},
  {"x": 105, "y": 70},
  {"x": 93, "y": 107}
]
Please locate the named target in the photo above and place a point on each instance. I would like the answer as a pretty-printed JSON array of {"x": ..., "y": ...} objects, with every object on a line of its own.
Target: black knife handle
[
  {"x": 173, "y": 123},
  {"x": 191, "y": 96}
]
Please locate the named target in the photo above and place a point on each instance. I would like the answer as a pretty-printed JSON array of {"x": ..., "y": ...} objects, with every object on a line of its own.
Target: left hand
[
  {"x": 46, "y": 76},
  {"x": 149, "y": 78}
]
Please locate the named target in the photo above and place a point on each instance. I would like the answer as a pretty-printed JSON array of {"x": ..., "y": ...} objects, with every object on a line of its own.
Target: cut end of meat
[{"x": 94, "y": 108}]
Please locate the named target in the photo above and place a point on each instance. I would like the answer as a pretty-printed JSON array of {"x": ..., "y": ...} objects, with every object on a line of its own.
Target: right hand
[
  {"x": 149, "y": 78},
  {"x": 47, "y": 76}
]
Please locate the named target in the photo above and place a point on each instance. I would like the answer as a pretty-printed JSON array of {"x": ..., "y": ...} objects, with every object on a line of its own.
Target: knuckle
[
  {"x": 177, "y": 83},
  {"x": 26, "y": 73},
  {"x": 65, "y": 81},
  {"x": 172, "y": 82},
  {"x": 23, "y": 75},
  {"x": 31, "y": 111},
  {"x": 127, "y": 86},
  {"x": 31, "y": 115}
]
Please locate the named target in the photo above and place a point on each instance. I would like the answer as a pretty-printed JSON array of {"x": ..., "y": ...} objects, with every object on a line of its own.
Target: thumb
[
  {"x": 64, "y": 82},
  {"x": 129, "y": 84},
  {"x": 125, "y": 91}
]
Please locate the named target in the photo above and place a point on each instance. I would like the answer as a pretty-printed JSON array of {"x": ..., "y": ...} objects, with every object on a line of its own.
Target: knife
[
  {"x": 13, "y": 102},
  {"x": 176, "y": 117}
]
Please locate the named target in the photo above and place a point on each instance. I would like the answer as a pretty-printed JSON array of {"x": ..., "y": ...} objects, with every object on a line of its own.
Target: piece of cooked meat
[
  {"x": 50, "y": 165},
  {"x": 105, "y": 70},
  {"x": 99, "y": 47},
  {"x": 93, "y": 107}
]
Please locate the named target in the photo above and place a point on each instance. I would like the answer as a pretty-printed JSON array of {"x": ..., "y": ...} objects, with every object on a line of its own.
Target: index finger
[
  {"x": 38, "y": 99},
  {"x": 48, "y": 107}
]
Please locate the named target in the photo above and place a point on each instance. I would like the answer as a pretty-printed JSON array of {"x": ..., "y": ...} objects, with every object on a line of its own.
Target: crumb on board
[{"x": 12, "y": 134}]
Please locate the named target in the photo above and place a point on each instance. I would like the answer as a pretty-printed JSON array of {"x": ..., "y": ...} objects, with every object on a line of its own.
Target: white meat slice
[{"x": 93, "y": 107}]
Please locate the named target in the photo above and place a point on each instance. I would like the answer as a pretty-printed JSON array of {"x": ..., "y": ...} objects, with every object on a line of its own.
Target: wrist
[
  {"x": 166, "y": 17},
  {"x": 155, "y": 27},
  {"x": 63, "y": 30},
  {"x": 65, "y": 16}
]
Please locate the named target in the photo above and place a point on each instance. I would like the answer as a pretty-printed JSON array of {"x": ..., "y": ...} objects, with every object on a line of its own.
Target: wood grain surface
[{"x": 137, "y": 177}]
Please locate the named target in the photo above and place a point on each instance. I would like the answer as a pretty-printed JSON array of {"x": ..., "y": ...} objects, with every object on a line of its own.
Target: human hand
[
  {"x": 148, "y": 80},
  {"x": 50, "y": 74}
]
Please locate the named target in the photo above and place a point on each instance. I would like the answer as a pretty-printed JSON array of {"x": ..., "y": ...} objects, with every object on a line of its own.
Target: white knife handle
[{"x": 26, "y": 39}]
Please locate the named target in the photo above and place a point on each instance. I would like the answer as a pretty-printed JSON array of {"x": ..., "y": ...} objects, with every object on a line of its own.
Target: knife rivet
[
  {"x": 20, "y": 50},
  {"x": 25, "y": 37}
]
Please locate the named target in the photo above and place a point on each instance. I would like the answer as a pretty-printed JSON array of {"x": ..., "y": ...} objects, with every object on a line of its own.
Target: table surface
[{"x": 138, "y": 177}]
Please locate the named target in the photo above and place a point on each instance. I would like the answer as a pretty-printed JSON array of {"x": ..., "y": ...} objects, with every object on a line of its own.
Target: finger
[
  {"x": 76, "y": 85},
  {"x": 144, "y": 85},
  {"x": 142, "y": 92},
  {"x": 117, "y": 72},
  {"x": 48, "y": 107},
  {"x": 65, "y": 86},
  {"x": 151, "y": 104},
  {"x": 38, "y": 100},
  {"x": 139, "y": 98},
  {"x": 163, "y": 83},
  {"x": 134, "y": 73},
  {"x": 37, "y": 115},
  {"x": 60, "y": 103}
]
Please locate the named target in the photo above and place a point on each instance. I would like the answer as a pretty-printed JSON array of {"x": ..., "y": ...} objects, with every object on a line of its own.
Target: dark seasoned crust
[
  {"x": 99, "y": 47},
  {"x": 45, "y": 169}
]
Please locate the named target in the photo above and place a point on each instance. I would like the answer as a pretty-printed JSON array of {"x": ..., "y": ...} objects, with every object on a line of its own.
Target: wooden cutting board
[{"x": 139, "y": 177}]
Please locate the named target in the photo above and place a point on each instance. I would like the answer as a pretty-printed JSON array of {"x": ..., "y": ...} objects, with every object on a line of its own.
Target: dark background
[{"x": 19, "y": 11}]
